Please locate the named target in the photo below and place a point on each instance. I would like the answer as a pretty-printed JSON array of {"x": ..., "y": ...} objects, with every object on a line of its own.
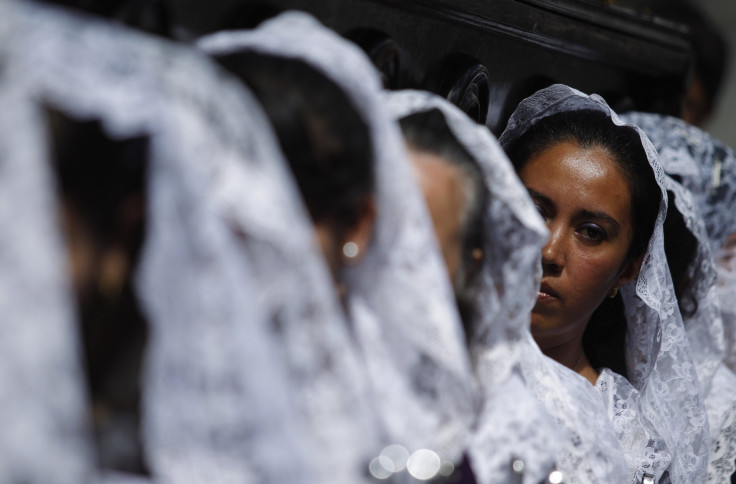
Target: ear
[
  {"x": 630, "y": 271},
  {"x": 359, "y": 234}
]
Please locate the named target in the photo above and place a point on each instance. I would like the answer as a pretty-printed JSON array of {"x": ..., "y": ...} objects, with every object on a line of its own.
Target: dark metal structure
[{"x": 487, "y": 55}]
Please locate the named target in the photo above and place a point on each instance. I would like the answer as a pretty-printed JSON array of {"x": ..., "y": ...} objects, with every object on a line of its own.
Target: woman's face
[
  {"x": 586, "y": 203},
  {"x": 442, "y": 185}
]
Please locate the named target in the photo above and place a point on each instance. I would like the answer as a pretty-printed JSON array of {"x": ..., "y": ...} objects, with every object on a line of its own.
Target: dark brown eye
[
  {"x": 592, "y": 232},
  {"x": 541, "y": 211}
]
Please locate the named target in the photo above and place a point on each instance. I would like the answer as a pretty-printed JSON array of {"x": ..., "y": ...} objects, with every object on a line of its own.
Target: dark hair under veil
[
  {"x": 102, "y": 182},
  {"x": 326, "y": 142},
  {"x": 430, "y": 379},
  {"x": 605, "y": 334}
]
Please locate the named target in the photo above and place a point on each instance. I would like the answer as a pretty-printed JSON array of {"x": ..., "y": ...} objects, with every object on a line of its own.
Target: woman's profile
[
  {"x": 490, "y": 235},
  {"x": 592, "y": 184},
  {"x": 398, "y": 305}
]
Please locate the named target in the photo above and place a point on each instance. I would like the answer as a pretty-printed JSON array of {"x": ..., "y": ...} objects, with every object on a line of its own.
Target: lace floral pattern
[
  {"x": 658, "y": 354},
  {"x": 705, "y": 165},
  {"x": 692, "y": 155},
  {"x": 512, "y": 424},
  {"x": 218, "y": 405},
  {"x": 705, "y": 331},
  {"x": 646, "y": 451},
  {"x": 400, "y": 301},
  {"x": 707, "y": 168},
  {"x": 721, "y": 406},
  {"x": 721, "y": 466},
  {"x": 42, "y": 392},
  {"x": 595, "y": 454},
  {"x": 705, "y": 326}
]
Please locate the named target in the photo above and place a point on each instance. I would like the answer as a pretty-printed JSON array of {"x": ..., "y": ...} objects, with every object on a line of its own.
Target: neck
[{"x": 570, "y": 354}]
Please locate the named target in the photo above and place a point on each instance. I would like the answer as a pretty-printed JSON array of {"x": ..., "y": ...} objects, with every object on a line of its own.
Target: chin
[{"x": 544, "y": 324}]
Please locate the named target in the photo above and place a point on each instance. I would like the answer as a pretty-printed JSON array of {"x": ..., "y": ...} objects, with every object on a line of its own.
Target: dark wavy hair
[
  {"x": 605, "y": 335},
  {"x": 326, "y": 141}
]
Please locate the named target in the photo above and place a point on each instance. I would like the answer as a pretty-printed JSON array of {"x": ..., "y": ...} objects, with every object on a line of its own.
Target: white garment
[
  {"x": 593, "y": 452},
  {"x": 400, "y": 302},
  {"x": 721, "y": 406},
  {"x": 512, "y": 424},
  {"x": 691, "y": 155},
  {"x": 705, "y": 331},
  {"x": 707, "y": 168},
  {"x": 216, "y": 407},
  {"x": 657, "y": 351},
  {"x": 646, "y": 451}
]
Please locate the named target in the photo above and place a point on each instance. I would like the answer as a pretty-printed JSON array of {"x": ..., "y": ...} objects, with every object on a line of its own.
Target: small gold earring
[
  {"x": 112, "y": 275},
  {"x": 613, "y": 293}
]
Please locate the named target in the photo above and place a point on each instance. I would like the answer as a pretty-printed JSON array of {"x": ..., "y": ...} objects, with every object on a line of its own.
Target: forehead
[
  {"x": 436, "y": 174},
  {"x": 582, "y": 178},
  {"x": 442, "y": 184}
]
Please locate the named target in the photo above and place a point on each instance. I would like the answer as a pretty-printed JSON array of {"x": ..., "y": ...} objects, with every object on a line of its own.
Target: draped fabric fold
[
  {"x": 399, "y": 300},
  {"x": 216, "y": 404},
  {"x": 692, "y": 156},
  {"x": 512, "y": 425},
  {"x": 707, "y": 168}
]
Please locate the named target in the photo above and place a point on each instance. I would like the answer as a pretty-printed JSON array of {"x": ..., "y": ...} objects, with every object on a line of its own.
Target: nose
[{"x": 554, "y": 253}]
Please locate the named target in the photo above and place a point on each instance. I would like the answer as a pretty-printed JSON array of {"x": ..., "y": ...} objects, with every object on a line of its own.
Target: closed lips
[{"x": 547, "y": 289}]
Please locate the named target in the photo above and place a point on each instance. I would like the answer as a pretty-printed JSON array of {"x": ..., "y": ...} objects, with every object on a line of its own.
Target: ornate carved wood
[{"x": 496, "y": 52}]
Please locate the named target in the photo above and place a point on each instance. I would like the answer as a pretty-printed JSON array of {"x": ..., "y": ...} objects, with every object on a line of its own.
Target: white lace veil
[
  {"x": 690, "y": 154},
  {"x": 512, "y": 424},
  {"x": 707, "y": 168},
  {"x": 705, "y": 332},
  {"x": 508, "y": 363},
  {"x": 704, "y": 326},
  {"x": 591, "y": 450},
  {"x": 658, "y": 356},
  {"x": 42, "y": 390},
  {"x": 400, "y": 302},
  {"x": 216, "y": 407}
]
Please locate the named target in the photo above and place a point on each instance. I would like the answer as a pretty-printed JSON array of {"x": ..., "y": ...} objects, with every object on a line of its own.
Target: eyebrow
[
  {"x": 601, "y": 216},
  {"x": 538, "y": 196},
  {"x": 583, "y": 213}
]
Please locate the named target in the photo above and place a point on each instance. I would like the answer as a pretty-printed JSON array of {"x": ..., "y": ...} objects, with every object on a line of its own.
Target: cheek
[
  {"x": 450, "y": 245},
  {"x": 453, "y": 256},
  {"x": 591, "y": 275},
  {"x": 329, "y": 247}
]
